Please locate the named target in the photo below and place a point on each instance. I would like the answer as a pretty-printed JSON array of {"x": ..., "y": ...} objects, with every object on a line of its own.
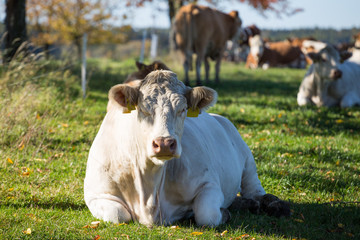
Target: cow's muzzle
[{"x": 164, "y": 147}]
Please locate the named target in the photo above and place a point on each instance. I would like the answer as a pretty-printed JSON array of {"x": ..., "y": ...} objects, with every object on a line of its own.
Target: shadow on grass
[
  {"x": 308, "y": 221},
  {"x": 55, "y": 204}
]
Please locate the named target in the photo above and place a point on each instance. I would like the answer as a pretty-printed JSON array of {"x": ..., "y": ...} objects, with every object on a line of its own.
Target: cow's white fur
[
  {"x": 320, "y": 89},
  {"x": 123, "y": 182}
]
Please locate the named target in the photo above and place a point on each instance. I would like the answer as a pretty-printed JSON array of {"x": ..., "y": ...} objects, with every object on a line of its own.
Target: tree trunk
[
  {"x": 15, "y": 25},
  {"x": 174, "y": 6}
]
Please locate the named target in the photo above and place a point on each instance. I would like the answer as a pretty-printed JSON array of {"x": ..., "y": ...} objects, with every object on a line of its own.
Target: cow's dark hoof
[
  {"x": 240, "y": 203},
  {"x": 273, "y": 206},
  {"x": 225, "y": 215}
]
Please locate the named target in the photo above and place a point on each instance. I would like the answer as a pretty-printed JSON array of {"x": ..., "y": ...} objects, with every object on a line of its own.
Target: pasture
[{"x": 306, "y": 155}]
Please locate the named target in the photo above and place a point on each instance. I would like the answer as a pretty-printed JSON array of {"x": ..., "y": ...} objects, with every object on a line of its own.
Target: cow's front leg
[
  {"x": 199, "y": 59},
  {"x": 207, "y": 208},
  {"x": 109, "y": 210}
]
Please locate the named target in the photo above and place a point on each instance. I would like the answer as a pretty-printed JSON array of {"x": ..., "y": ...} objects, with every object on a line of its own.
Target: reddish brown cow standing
[
  {"x": 203, "y": 31},
  {"x": 144, "y": 70},
  {"x": 274, "y": 54}
]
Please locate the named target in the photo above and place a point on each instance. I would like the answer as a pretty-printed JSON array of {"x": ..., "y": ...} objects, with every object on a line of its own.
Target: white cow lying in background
[
  {"x": 329, "y": 82},
  {"x": 155, "y": 165}
]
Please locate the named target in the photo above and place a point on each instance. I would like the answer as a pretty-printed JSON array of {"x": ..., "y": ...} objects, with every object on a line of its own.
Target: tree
[
  {"x": 278, "y": 6},
  {"x": 15, "y": 26},
  {"x": 68, "y": 20}
]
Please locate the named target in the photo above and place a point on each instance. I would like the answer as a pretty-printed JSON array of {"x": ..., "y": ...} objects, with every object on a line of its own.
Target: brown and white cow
[
  {"x": 357, "y": 40},
  {"x": 274, "y": 54},
  {"x": 328, "y": 82},
  {"x": 149, "y": 161},
  {"x": 203, "y": 31},
  {"x": 144, "y": 70},
  {"x": 239, "y": 50}
]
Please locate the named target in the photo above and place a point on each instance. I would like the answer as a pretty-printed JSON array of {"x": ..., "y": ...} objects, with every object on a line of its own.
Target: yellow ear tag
[
  {"x": 193, "y": 113},
  {"x": 129, "y": 106}
]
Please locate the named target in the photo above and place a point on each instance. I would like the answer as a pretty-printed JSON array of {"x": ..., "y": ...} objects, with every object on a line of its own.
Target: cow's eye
[{"x": 182, "y": 111}]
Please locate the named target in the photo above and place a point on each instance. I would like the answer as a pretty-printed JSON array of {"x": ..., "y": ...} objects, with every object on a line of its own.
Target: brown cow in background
[
  {"x": 144, "y": 70},
  {"x": 203, "y": 31},
  {"x": 274, "y": 54}
]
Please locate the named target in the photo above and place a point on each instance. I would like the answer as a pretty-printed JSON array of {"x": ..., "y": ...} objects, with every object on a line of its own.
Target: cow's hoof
[
  {"x": 273, "y": 206},
  {"x": 240, "y": 203},
  {"x": 225, "y": 215}
]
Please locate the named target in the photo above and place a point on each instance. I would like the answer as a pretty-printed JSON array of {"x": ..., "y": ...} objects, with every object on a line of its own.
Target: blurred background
[{"x": 115, "y": 29}]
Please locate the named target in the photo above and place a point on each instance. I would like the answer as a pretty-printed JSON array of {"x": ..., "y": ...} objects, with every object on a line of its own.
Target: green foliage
[{"x": 306, "y": 155}]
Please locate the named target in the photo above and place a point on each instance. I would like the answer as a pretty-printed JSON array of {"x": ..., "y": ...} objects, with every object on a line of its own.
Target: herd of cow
[{"x": 160, "y": 157}]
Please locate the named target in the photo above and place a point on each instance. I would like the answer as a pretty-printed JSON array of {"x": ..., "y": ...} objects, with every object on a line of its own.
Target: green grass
[{"x": 306, "y": 155}]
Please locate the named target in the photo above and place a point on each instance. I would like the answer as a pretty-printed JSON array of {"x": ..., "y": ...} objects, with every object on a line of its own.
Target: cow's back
[
  {"x": 281, "y": 53},
  {"x": 213, "y": 153},
  {"x": 200, "y": 28}
]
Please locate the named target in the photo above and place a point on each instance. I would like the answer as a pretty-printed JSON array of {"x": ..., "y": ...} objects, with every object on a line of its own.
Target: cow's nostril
[
  {"x": 173, "y": 145},
  {"x": 155, "y": 145}
]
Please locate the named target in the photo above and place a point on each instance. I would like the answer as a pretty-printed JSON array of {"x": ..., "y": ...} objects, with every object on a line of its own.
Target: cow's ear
[
  {"x": 125, "y": 95},
  {"x": 140, "y": 65},
  {"x": 315, "y": 57},
  {"x": 234, "y": 14},
  {"x": 200, "y": 98}
]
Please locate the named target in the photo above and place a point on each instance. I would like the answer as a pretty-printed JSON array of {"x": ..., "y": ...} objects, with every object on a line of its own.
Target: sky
[{"x": 337, "y": 14}]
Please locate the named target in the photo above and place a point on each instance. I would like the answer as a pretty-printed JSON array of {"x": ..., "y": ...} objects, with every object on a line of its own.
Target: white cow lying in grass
[
  {"x": 155, "y": 165},
  {"x": 329, "y": 82}
]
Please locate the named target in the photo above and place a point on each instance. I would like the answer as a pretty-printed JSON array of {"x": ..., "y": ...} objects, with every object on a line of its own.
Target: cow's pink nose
[{"x": 164, "y": 146}]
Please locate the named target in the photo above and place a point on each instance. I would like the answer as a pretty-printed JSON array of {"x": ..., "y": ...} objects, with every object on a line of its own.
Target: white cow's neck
[{"x": 148, "y": 182}]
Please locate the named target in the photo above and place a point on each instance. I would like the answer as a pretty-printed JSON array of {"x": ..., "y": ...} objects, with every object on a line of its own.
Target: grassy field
[{"x": 308, "y": 156}]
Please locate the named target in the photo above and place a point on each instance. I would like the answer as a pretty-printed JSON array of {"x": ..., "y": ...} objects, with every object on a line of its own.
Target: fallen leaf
[
  {"x": 125, "y": 235},
  {"x": 94, "y": 224},
  {"x": 122, "y": 224},
  {"x": 97, "y": 237},
  {"x": 10, "y": 189},
  {"x": 340, "y": 225},
  {"x": 242, "y": 110},
  {"x": 86, "y": 122},
  {"x": 38, "y": 116},
  {"x": 10, "y": 161},
  {"x": 21, "y": 147},
  {"x": 51, "y": 130},
  {"x": 338, "y": 121},
  {"x": 196, "y": 233},
  {"x": 175, "y": 227},
  {"x": 65, "y": 125},
  {"x": 27, "y": 231},
  {"x": 224, "y": 232}
]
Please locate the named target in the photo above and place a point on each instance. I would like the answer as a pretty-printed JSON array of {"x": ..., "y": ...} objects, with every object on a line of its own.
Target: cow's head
[
  {"x": 160, "y": 103},
  {"x": 326, "y": 63},
  {"x": 256, "y": 48}
]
